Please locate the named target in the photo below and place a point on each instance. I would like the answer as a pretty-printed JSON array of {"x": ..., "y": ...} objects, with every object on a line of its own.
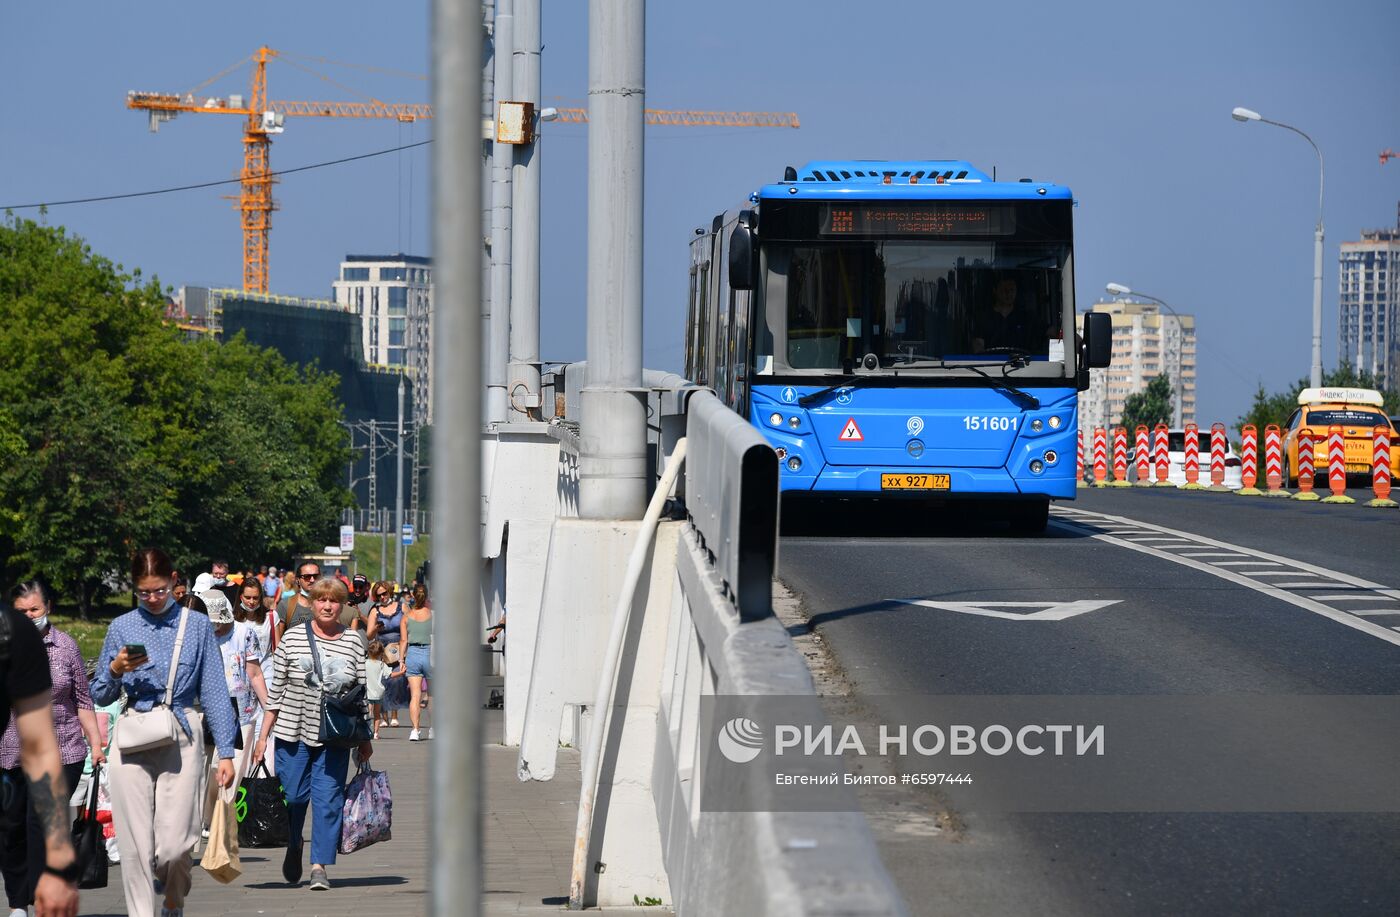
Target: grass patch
[
  {"x": 93, "y": 631},
  {"x": 369, "y": 547}
]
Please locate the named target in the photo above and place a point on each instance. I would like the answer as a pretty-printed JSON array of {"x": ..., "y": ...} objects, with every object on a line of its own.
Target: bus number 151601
[{"x": 989, "y": 423}]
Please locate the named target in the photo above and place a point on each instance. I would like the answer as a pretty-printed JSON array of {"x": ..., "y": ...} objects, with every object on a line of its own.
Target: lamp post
[
  {"x": 1245, "y": 115},
  {"x": 1178, "y": 410}
]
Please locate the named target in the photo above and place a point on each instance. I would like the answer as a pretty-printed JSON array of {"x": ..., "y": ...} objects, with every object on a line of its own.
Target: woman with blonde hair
[{"x": 322, "y": 657}]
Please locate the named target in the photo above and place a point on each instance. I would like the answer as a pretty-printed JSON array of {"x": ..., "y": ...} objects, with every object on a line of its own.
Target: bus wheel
[{"x": 1028, "y": 517}]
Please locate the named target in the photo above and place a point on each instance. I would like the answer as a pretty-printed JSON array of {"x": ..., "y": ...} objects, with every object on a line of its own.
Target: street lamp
[
  {"x": 1117, "y": 289},
  {"x": 1245, "y": 115}
]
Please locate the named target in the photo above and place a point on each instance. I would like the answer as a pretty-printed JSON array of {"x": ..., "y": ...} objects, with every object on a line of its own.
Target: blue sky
[{"x": 1126, "y": 103}]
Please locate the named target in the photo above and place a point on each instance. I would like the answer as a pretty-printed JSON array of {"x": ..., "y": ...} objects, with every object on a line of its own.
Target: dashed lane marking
[{"x": 1210, "y": 561}]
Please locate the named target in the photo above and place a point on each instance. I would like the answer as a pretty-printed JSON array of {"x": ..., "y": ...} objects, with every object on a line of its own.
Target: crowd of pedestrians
[{"x": 192, "y": 689}]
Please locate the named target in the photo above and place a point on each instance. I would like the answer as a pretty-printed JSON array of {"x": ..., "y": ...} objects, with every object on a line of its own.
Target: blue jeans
[
  {"x": 417, "y": 662},
  {"x": 314, "y": 776}
]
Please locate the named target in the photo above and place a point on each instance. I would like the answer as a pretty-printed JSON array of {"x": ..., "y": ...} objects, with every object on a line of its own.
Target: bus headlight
[
  {"x": 794, "y": 422},
  {"x": 1051, "y": 457},
  {"x": 1036, "y": 425},
  {"x": 775, "y": 419},
  {"x": 1037, "y": 466},
  {"x": 780, "y": 452},
  {"x": 1055, "y": 422},
  {"x": 794, "y": 464}
]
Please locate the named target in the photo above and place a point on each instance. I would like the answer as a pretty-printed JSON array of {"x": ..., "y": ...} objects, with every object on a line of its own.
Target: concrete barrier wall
[{"x": 778, "y": 863}]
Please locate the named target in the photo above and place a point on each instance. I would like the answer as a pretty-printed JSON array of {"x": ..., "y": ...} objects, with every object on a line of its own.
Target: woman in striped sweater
[{"x": 312, "y": 774}]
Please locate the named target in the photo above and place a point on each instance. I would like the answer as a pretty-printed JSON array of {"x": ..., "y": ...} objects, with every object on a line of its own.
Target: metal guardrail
[{"x": 731, "y": 494}]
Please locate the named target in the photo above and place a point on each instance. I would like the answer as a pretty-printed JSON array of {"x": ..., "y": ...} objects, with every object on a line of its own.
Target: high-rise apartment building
[
  {"x": 1369, "y": 304},
  {"x": 1146, "y": 343},
  {"x": 393, "y": 296}
]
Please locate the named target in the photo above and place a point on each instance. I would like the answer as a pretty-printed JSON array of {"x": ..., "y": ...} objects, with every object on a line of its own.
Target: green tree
[
  {"x": 116, "y": 432},
  {"x": 1151, "y": 406}
]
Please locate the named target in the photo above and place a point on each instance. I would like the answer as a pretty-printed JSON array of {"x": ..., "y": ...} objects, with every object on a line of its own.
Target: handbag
[
  {"x": 261, "y": 810},
  {"x": 344, "y": 717},
  {"x": 88, "y": 844},
  {"x": 368, "y": 815},
  {"x": 220, "y": 858},
  {"x": 157, "y": 727}
]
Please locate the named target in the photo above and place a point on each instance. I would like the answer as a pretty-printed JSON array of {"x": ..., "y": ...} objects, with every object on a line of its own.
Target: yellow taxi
[{"x": 1358, "y": 411}]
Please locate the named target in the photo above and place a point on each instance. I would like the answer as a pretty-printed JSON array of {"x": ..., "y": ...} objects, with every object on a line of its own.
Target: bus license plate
[{"x": 916, "y": 482}]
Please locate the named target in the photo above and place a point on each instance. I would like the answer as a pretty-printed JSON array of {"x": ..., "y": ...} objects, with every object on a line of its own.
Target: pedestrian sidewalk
[{"x": 529, "y": 830}]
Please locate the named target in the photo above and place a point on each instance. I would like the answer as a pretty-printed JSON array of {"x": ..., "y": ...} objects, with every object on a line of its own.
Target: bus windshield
[{"x": 912, "y": 302}]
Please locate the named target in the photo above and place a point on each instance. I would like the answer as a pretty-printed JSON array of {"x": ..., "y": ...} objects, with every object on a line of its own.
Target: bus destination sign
[{"x": 924, "y": 219}]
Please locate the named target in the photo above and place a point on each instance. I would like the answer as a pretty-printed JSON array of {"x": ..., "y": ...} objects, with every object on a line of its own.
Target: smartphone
[{"x": 135, "y": 650}]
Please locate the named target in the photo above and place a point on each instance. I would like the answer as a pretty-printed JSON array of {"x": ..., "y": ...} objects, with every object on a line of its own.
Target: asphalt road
[{"x": 1212, "y": 594}]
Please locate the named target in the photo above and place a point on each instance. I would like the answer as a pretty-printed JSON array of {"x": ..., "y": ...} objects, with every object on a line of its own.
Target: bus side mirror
[
  {"x": 743, "y": 254},
  {"x": 1098, "y": 340}
]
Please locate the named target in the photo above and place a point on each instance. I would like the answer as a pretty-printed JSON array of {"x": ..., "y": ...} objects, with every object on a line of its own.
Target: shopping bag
[
  {"x": 87, "y": 841},
  {"x": 261, "y": 810},
  {"x": 369, "y": 810},
  {"x": 396, "y": 694},
  {"x": 220, "y": 858}
]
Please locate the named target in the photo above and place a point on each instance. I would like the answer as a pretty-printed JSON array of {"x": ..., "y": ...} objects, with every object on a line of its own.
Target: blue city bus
[{"x": 900, "y": 330}]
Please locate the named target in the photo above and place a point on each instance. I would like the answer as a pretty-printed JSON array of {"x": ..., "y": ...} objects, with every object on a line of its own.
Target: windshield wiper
[
  {"x": 1007, "y": 387},
  {"x": 851, "y": 380}
]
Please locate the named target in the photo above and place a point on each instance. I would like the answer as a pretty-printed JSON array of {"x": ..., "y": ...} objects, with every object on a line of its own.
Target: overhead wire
[{"x": 212, "y": 184}]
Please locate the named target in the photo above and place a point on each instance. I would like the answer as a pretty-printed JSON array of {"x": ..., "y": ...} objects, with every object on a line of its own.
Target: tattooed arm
[{"x": 48, "y": 795}]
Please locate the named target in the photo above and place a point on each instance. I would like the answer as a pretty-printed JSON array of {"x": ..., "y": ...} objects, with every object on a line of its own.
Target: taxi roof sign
[{"x": 1324, "y": 395}]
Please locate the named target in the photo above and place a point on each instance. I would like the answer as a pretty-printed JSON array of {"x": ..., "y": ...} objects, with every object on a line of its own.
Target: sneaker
[
  {"x": 394, "y": 722},
  {"x": 172, "y": 912},
  {"x": 291, "y": 864},
  {"x": 204, "y": 833},
  {"x": 319, "y": 882},
  {"x": 413, "y": 736},
  {"x": 19, "y": 912}
]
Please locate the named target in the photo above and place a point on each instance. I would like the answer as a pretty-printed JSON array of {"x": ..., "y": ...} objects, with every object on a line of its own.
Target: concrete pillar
[{"x": 612, "y": 464}]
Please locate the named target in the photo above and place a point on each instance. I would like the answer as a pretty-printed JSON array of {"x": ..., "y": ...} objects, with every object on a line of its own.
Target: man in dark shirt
[
  {"x": 296, "y": 611},
  {"x": 25, "y": 688},
  {"x": 1004, "y": 323}
]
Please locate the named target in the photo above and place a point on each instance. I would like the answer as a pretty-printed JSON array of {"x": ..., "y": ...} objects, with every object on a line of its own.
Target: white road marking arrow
[{"x": 1049, "y": 611}]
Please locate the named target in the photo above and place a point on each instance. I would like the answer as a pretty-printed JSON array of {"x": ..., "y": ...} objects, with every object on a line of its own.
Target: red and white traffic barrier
[
  {"x": 1192, "y": 462},
  {"x": 1159, "y": 454},
  {"x": 1218, "y": 445},
  {"x": 1120, "y": 457},
  {"x": 1273, "y": 460},
  {"x": 1079, "y": 461},
  {"x": 1142, "y": 457},
  {"x": 1380, "y": 468},
  {"x": 1100, "y": 457},
  {"x": 1306, "y": 473},
  {"x": 1337, "y": 466},
  {"x": 1249, "y": 460}
]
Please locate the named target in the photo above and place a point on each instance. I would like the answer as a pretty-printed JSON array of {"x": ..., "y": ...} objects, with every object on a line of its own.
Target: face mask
[
  {"x": 165, "y": 606},
  {"x": 41, "y": 622}
]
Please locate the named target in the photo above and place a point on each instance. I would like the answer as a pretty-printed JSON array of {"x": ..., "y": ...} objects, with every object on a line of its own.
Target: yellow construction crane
[{"x": 265, "y": 118}]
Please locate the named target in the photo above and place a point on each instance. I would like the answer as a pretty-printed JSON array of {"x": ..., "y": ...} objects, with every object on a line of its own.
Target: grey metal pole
[
  {"x": 455, "y": 754},
  {"x": 488, "y": 108},
  {"x": 524, "y": 369},
  {"x": 398, "y": 497},
  {"x": 612, "y": 463},
  {"x": 502, "y": 157},
  {"x": 383, "y": 544}
]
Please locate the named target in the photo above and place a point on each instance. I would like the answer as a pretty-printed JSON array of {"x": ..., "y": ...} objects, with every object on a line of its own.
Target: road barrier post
[
  {"x": 1143, "y": 457},
  {"x": 1079, "y": 462},
  {"x": 1218, "y": 444},
  {"x": 1306, "y": 473},
  {"x": 1337, "y": 466},
  {"x": 1159, "y": 450},
  {"x": 1273, "y": 461},
  {"x": 1120, "y": 457},
  {"x": 1100, "y": 457},
  {"x": 1380, "y": 469},
  {"x": 1249, "y": 461},
  {"x": 1192, "y": 462}
]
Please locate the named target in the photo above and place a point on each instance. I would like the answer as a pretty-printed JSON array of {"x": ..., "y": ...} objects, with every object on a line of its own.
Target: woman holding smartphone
[{"x": 155, "y": 791}]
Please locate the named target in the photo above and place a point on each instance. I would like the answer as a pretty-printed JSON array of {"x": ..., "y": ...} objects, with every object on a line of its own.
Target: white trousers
[{"x": 155, "y": 810}]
